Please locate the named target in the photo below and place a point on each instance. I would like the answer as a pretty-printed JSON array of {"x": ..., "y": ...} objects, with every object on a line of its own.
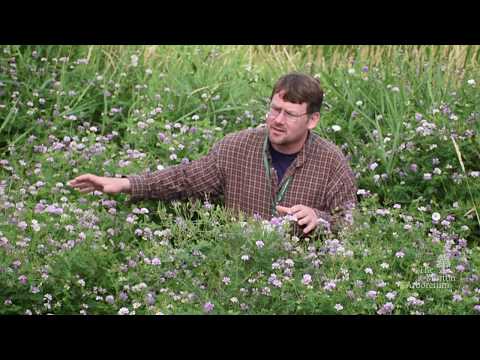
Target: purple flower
[
  {"x": 39, "y": 208},
  {"x": 260, "y": 244},
  {"x": 371, "y": 294},
  {"x": 273, "y": 280},
  {"x": 208, "y": 307},
  {"x": 457, "y": 298},
  {"x": 365, "y": 69},
  {"x": 257, "y": 216},
  {"x": 123, "y": 296},
  {"x": 413, "y": 167},
  {"x": 399, "y": 254},
  {"x": 22, "y": 225},
  {"x": 275, "y": 221},
  {"x": 22, "y": 279},
  {"x": 207, "y": 205},
  {"x": 386, "y": 309},
  {"x": 52, "y": 209},
  {"x": 330, "y": 285},
  {"x": 373, "y": 166},
  {"x": 411, "y": 300},
  {"x": 477, "y": 308},
  {"x": 110, "y": 299},
  {"x": 418, "y": 116},
  {"x": 226, "y": 280},
  {"x": 150, "y": 298},
  {"x": 307, "y": 279}
]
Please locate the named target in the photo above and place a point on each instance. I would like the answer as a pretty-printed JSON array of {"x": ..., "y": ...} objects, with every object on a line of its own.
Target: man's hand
[
  {"x": 305, "y": 216},
  {"x": 88, "y": 182}
]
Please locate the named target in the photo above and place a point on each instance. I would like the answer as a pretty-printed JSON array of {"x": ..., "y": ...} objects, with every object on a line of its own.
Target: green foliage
[{"x": 408, "y": 123}]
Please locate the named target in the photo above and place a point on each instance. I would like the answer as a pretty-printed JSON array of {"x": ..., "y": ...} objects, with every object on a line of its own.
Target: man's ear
[{"x": 314, "y": 119}]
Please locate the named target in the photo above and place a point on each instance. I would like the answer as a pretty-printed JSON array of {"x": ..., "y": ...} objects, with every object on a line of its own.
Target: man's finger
[
  {"x": 81, "y": 184},
  {"x": 309, "y": 228},
  {"x": 300, "y": 214},
  {"x": 296, "y": 208},
  {"x": 85, "y": 177},
  {"x": 84, "y": 186},
  {"x": 87, "y": 189},
  {"x": 305, "y": 220},
  {"x": 283, "y": 209}
]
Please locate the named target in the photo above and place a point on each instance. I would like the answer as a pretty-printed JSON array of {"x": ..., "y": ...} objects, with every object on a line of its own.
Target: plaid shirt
[{"x": 234, "y": 168}]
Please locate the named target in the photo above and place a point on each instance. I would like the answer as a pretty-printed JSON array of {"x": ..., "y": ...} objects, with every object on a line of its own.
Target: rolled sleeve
[{"x": 139, "y": 189}]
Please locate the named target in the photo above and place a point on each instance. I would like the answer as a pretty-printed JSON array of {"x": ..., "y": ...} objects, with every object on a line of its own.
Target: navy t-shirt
[{"x": 281, "y": 162}]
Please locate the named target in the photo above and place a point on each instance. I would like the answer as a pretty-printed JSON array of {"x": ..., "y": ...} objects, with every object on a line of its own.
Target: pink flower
[
  {"x": 399, "y": 254},
  {"x": 307, "y": 279},
  {"x": 22, "y": 225},
  {"x": 386, "y": 309},
  {"x": 330, "y": 285},
  {"x": 208, "y": 307},
  {"x": 457, "y": 298},
  {"x": 22, "y": 279},
  {"x": 275, "y": 221},
  {"x": 52, "y": 209}
]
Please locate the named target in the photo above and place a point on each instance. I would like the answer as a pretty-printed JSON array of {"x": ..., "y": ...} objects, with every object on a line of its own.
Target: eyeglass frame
[{"x": 289, "y": 116}]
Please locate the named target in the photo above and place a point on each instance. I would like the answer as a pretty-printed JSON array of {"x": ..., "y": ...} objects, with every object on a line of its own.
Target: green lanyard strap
[{"x": 283, "y": 189}]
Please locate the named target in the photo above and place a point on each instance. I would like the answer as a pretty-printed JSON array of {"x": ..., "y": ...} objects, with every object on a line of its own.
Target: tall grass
[{"x": 405, "y": 116}]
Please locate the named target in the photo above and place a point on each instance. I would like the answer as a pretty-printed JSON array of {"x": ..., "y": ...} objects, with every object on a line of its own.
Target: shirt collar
[{"x": 302, "y": 154}]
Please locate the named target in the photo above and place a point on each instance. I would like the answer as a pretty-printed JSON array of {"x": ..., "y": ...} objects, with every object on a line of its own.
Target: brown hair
[{"x": 300, "y": 88}]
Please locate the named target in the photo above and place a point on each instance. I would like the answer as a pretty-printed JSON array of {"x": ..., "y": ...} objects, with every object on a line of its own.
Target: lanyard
[{"x": 283, "y": 189}]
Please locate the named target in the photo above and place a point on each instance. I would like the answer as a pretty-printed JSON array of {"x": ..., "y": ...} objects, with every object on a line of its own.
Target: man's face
[{"x": 286, "y": 129}]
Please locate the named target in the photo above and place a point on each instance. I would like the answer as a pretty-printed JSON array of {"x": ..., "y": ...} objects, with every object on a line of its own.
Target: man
[{"x": 279, "y": 169}]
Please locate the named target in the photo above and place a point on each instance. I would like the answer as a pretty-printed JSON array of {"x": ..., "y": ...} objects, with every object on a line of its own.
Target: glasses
[{"x": 273, "y": 112}]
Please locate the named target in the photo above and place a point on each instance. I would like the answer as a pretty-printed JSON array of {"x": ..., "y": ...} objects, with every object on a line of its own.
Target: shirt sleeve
[
  {"x": 199, "y": 177},
  {"x": 341, "y": 198}
]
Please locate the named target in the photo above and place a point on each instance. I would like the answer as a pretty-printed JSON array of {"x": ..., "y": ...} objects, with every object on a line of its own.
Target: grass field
[{"x": 407, "y": 117}]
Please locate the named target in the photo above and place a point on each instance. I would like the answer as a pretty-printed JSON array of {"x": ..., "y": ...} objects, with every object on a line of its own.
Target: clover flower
[
  {"x": 307, "y": 279},
  {"x": 208, "y": 307}
]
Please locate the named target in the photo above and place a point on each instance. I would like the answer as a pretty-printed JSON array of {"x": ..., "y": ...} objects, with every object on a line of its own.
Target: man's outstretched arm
[{"x": 185, "y": 180}]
